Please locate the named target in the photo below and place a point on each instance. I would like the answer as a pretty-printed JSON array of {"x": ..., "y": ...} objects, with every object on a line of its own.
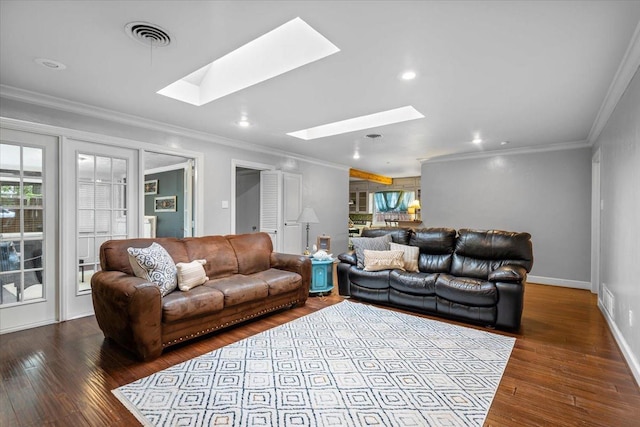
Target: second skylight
[{"x": 369, "y": 121}]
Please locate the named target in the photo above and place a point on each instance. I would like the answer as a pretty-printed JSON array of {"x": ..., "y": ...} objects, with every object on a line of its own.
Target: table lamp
[
  {"x": 413, "y": 208},
  {"x": 310, "y": 217}
]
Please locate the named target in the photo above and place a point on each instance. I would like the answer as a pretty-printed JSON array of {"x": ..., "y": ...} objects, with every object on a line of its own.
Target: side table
[{"x": 321, "y": 276}]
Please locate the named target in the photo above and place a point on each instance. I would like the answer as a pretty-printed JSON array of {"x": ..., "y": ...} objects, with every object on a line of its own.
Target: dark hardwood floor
[{"x": 565, "y": 369}]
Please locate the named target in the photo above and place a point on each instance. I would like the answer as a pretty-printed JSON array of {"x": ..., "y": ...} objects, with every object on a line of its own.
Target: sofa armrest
[
  {"x": 508, "y": 274},
  {"x": 349, "y": 257},
  {"x": 129, "y": 311},
  {"x": 295, "y": 263}
]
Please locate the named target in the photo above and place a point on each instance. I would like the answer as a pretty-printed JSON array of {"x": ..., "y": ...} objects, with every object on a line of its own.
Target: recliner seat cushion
[
  {"x": 369, "y": 279},
  {"x": 238, "y": 289},
  {"x": 279, "y": 281},
  {"x": 467, "y": 290},
  {"x": 413, "y": 283}
]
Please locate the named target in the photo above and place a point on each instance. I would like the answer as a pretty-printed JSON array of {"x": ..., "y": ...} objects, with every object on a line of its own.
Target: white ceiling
[{"x": 532, "y": 73}]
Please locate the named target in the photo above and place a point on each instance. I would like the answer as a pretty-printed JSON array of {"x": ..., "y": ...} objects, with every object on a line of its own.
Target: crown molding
[
  {"x": 508, "y": 152},
  {"x": 627, "y": 69},
  {"x": 48, "y": 101}
]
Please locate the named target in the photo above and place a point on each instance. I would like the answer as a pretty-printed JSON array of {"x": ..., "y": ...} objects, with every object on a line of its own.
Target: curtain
[{"x": 392, "y": 201}]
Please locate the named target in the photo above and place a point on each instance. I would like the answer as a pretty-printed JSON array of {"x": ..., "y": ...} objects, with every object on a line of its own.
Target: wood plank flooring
[{"x": 565, "y": 369}]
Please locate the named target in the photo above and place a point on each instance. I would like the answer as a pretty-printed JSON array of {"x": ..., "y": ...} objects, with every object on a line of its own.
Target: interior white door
[
  {"x": 100, "y": 202},
  {"x": 271, "y": 206},
  {"x": 28, "y": 232},
  {"x": 292, "y": 206}
]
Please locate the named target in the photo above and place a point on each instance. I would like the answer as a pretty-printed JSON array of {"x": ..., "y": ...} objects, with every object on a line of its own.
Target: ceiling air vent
[{"x": 148, "y": 34}]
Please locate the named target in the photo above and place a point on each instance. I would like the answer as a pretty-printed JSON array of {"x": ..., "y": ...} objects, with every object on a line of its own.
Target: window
[
  {"x": 102, "y": 210},
  {"x": 392, "y": 205},
  {"x": 21, "y": 223}
]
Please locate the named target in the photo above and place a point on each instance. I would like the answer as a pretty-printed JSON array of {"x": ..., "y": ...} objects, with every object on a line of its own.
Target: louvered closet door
[{"x": 271, "y": 206}]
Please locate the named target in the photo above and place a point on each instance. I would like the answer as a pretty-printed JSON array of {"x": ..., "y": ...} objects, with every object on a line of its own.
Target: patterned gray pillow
[
  {"x": 155, "y": 265},
  {"x": 371, "y": 243}
]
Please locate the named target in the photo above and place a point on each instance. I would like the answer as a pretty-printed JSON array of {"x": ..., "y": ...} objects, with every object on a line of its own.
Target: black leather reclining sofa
[{"x": 472, "y": 275}]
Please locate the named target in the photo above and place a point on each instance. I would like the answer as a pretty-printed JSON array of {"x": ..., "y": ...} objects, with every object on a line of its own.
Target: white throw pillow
[
  {"x": 155, "y": 265},
  {"x": 411, "y": 254},
  {"x": 383, "y": 260},
  {"x": 371, "y": 243},
  {"x": 191, "y": 274}
]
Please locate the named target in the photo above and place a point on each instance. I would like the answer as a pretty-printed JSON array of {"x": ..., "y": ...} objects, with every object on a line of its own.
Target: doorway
[
  {"x": 247, "y": 200},
  {"x": 168, "y": 195},
  {"x": 245, "y": 195}
]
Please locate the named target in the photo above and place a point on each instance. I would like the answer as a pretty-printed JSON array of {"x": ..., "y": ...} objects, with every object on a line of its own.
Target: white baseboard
[
  {"x": 633, "y": 363},
  {"x": 28, "y": 326},
  {"x": 577, "y": 284}
]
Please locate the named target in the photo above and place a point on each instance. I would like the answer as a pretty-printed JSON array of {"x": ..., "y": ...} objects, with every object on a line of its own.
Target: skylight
[
  {"x": 382, "y": 118},
  {"x": 283, "y": 49}
]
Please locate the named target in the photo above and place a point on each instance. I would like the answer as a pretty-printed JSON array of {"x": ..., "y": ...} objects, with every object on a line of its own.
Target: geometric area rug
[{"x": 349, "y": 364}]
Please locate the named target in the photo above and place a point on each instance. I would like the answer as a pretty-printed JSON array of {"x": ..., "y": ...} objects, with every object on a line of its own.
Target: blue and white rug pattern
[{"x": 346, "y": 365}]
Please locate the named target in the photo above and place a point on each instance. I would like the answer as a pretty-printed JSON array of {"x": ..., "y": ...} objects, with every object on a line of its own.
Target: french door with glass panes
[
  {"x": 100, "y": 199},
  {"x": 28, "y": 232}
]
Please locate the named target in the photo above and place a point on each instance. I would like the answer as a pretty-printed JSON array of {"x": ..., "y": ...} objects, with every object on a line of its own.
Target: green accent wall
[{"x": 170, "y": 183}]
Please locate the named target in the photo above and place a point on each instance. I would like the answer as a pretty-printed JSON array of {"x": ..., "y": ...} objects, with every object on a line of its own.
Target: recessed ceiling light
[
  {"x": 283, "y": 49},
  {"x": 477, "y": 140},
  {"x": 50, "y": 64},
  {"x": 408, "y": 75},
  {"x": 382, "y": 118},
  {"x": 504, "y": 142},
  {"x": 244, "y": 123},
  {"x": 356, "y": 155}
]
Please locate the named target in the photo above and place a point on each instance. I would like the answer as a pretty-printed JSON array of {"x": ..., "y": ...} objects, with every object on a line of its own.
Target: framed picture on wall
[
  {"x": 151, "y": 187},
  {"x": 165, "y": 204},
  {"x": 324, "y": 243}
]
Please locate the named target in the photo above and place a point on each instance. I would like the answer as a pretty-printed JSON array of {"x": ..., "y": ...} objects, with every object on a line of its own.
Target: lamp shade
[
  {"x": 308, "y": 216},
  {"x": 415, "y": 204}
]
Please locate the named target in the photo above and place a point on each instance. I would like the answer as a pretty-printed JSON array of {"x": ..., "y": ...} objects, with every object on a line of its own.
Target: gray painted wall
[
  {"x": 619, "y": 143},
  {"x": 247, "y": 200},
  {"x": 547, "y": 194},
  {"x": 216, "y": 173}
]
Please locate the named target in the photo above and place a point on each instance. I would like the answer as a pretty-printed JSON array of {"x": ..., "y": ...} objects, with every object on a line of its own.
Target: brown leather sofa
[
  {"x": 246, "y": 279},
  {"x": 473, "y": 275}
]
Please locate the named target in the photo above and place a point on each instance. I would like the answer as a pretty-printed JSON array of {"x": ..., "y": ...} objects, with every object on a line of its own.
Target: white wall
[
  {"x": 620, "y": 219},
  {"x": 216, "y": 173},
  {"x": 547, "y": 194}
]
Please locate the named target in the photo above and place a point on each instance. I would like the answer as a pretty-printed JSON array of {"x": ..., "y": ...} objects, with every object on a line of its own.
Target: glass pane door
[
  {"x": 28, "y": 233},
  {"x": 100, "y": 202}
]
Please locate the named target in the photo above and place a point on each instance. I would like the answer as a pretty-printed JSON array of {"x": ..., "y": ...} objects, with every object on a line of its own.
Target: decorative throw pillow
[
  {"x": 411, "y": 254},
  {"x": 383, "y": 260},
  {"x": 155, "y": 265},
  {"x": 191, "y": 274},
  {"x": 371, "y": 243}
]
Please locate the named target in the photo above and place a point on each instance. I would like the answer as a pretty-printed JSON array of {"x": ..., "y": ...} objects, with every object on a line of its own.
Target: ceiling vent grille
[{"x": 148, "y": 34}]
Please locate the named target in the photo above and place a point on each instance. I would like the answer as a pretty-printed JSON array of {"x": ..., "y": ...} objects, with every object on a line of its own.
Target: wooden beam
[{"x": 357, "y": 173}]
